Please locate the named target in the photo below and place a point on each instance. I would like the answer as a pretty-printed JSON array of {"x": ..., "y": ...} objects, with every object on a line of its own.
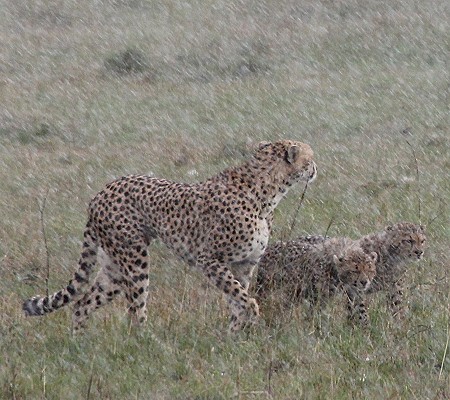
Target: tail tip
[{"x": 30, "y": 308}]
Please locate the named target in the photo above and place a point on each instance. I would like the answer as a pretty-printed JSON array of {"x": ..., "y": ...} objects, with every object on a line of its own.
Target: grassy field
[{"x": 92, "y": 90}]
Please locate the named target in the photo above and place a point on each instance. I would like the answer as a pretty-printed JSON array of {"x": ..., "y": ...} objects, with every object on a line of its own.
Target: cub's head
[
  {"x": 290, "y": 160},
  {"x": 406, "y": 240},
  {"x": 356, "y": 268}
]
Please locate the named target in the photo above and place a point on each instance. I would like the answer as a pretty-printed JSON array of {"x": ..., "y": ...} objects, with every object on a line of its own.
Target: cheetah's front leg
[
  {"x": 356, "y": 306},
  {"x": 395, "y": 298},
  {"x": 243, "y": 272},
  {"x": 244, "y": 309}
]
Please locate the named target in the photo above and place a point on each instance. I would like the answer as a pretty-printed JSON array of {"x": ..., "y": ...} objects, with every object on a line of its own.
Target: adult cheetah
[
  {"x": 221, "y": 226},
  {"x": 298, "y": 270},
  {"x": 396, "y": 246}
]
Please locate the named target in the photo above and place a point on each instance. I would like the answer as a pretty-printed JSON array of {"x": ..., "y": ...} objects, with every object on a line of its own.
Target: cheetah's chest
[{"x": 259, "y": 241}]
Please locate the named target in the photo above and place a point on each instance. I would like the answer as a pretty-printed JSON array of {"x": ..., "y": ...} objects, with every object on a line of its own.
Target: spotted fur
[
  {"x": 221, "y": 226},
  {"x": 396, "y": 246},
  {"x": 317, "y": 272}
]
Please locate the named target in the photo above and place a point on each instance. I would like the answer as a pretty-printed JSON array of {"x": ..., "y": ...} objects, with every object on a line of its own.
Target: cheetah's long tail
[{"x": 37, "y": 306}]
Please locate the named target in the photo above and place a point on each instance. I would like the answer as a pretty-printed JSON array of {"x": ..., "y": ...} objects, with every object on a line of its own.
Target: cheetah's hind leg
[
  {"x": 104, "y": 289},
  {"x": 133, "y": 261}
]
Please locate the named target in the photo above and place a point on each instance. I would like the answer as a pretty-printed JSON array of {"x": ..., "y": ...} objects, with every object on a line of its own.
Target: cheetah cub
[
  {"x": 317, "y": 272},
  {"x": 396, "y": 246},
  {"x": 221, "y": 226}
]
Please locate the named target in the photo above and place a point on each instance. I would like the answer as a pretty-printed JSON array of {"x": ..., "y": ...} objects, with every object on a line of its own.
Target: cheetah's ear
[
  {"x": 262, "y": 145},
  {"x": 291, "y": 154},
  {"x": 422, "y": 228},
  {"x": 374, "y": 256}
]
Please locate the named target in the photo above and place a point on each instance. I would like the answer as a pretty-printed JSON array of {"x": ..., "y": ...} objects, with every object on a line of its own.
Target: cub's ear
[
  {"x": 422, "y": 228},
  {"x": 261, "y": 145},
  {"x": 374, "y": 256},
  {"x": 291, "y": 154}
]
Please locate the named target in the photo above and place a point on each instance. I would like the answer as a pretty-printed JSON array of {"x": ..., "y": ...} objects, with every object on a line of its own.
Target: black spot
[
  {"x": 71, "y": 289},
  {"x": 79, "y": 278},
  {"x": 143, "y": 277},
  {"x": 84, "y": 266}
]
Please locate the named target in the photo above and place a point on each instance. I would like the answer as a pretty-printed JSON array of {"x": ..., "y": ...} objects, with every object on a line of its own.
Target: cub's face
[
  {"x": 356, "y": 268},
  {"x": 407, "y": 241}
]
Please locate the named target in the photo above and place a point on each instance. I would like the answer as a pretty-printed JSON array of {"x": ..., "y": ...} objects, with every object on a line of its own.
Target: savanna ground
[{"x": 92, "y": 90}]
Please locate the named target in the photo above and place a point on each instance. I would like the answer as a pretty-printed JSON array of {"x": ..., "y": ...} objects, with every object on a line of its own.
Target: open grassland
[{"x": 92, "y": 90}]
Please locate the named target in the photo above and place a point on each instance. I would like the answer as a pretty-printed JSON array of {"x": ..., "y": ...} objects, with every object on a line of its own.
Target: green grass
[{"x": 217, "y": 78}]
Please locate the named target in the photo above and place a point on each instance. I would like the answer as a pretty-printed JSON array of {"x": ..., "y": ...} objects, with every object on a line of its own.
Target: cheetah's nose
[
  {"x": 365, "y": 283},
  {"x": 419, "y": 253}
]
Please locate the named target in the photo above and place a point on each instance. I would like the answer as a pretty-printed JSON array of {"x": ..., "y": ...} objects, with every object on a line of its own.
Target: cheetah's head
[
  {"x": 406, "y": 240},
  {"x": 292, "y": 160},
  {"x": 356, "y": 268}
]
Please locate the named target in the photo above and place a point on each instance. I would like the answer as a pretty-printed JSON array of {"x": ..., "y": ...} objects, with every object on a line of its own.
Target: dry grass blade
[
  {"x": 287, "y": 235},
  {"x": 441, "y": 369},
  {"x": 419, "y": 200},
  {"x": 44, "y": 237}
]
